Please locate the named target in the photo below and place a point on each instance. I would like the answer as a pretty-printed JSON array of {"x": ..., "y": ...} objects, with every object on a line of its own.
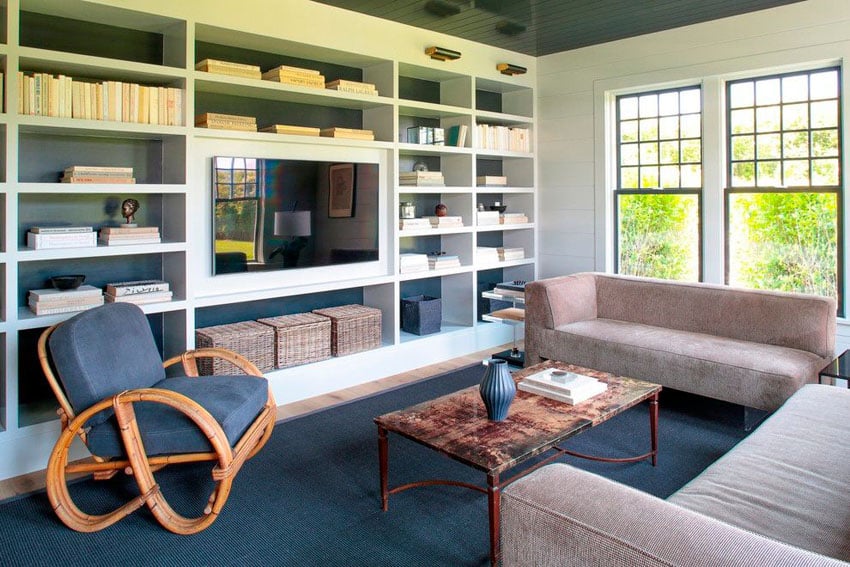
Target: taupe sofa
[
  {"x": 753, "y": 348},
  {"x": 778, "y": 498}
]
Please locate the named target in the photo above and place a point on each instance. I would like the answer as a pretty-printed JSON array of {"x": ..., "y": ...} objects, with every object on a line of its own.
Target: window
[
  {"x": 659, "y": 183},
  {"x": 784, "y": 182},
  {"x": 237, "y": 200}
]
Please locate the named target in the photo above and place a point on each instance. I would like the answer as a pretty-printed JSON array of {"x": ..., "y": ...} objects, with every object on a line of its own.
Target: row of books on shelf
[
  {"x": 43, "y": 238},
  {"x": 51, "y": 301},
  {"x": 493, "y": 254},
  {"x": 428, "y": 223},
  {"x": 504, "y": 138},
  {"x": 562, "y": 385},
  {"x": 97, "y": 174},
  {"x": 43, "y": 94},
  {"x": 285, "y": 74},
  {"x": 242, "y": 123}
]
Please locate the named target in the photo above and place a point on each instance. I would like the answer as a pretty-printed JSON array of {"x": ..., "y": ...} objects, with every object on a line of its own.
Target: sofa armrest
[
  {"x": 557, "y": 301},
  {"x": 560, "y": 515}
]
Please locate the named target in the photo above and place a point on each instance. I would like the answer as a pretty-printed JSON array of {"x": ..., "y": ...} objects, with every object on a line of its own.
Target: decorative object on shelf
[
  {"x": 407, "y": 210},
  {"x": 420, "y": 166},
  {"x": 497, "y": 389},
  {"x": 341, "y": 187},
  {"x": 498, "y": 206},
  {"x": 427, "y": 135},
  {"x": 421, "y": 314},
  {"x": 441, "y": 210},
  {"x": 491, "y": 181},
  {"x": 129, "y": 208},
  {"x": 510, "y": 69},
  {"x": 295, "y": 225},
  {"x": 67, "y": 282},
  {"x": 442, "y": 54}
]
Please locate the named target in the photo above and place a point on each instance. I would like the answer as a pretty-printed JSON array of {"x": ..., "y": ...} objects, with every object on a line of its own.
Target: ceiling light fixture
[
  {"x": 441, "y": 53},
  {"x": 510, "y": 69},
  {"x": 442, "y": 8}
]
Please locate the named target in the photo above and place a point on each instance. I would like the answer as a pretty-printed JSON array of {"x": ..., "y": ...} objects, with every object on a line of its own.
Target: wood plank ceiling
[{"x": 541, "y": 27}]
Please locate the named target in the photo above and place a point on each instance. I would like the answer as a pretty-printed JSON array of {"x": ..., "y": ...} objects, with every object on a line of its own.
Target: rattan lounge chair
[{"x": 113, "y": 392}]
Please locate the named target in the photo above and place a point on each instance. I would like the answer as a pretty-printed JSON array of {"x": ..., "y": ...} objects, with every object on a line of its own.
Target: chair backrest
[{"x": 103, "y": 351}]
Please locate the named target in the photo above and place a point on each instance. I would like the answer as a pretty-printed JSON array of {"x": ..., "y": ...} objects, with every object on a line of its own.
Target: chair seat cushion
[{"x": 234, "y": 402}]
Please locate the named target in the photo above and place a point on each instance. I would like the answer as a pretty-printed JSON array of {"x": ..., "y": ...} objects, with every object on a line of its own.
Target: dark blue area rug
[{"x": 312, "y": 496}]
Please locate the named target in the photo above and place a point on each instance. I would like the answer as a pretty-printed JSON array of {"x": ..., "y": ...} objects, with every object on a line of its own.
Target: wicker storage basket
[
  {"x": 300, "y": 338},
  {"x": 252, "y": 340},
  {"x": 354, "y": 328}
]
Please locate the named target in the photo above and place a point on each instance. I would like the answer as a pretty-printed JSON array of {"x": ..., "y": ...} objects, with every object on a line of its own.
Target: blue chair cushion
[
  {"x": 103, "y": 351},
  {"x": 234, "y": 402}
]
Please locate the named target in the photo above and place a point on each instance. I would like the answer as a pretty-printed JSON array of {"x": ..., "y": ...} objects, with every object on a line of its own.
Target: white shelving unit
[{"x": 105, "y": 40}]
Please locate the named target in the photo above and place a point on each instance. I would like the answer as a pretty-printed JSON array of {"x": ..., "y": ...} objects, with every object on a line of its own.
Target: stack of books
[
  {"x": 226, "y": 121},
  {"x": 43, "y": 94},
  {"x": 45, "y": 237},
  {"x": 513, "y": 218},
  {"x": 296, "y": 76},
  {"x": 410, "y": 262},
  {"x": 513, "y": 287},
  {"x": 487, "y": 217},
  {"x": 97, "y": 174},
  {"x": 563, "y": 386},
  {"x": 421, "y": 178},
  {"x": 230, "y": 68},
  {"x": 445, "y": 222},
  {"x": 491, "y": 181},
  {"x": 414, "y": 224},
  {"x": 352, "y": 133},
  {"x": 123, "y": 235},
  {"x": 506, "y": 254},
  {"x": 138, "y": 292},
  {"x": 487, "y": 254},
  {"x": 51, "y": 301},
  {"x": 292, "y": 130},
  {"x": 443, "y": 261},
  {"x": 345, "y": 86}
]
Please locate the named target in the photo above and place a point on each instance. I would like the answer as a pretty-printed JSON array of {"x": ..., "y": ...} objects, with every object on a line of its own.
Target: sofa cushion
[
  {"x": 785, "y": 481},
  {"x": 752, "y": 374}
]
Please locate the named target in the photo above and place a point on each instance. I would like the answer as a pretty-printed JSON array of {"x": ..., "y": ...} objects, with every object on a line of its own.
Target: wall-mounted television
[{"x": 283, "y": 214}]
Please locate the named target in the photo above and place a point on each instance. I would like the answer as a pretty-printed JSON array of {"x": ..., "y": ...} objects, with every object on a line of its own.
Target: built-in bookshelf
[{"x": 108, "y": 44}]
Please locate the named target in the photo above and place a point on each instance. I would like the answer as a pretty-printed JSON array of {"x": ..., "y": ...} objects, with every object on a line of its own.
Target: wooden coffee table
[{"x": 456, "y": 425}]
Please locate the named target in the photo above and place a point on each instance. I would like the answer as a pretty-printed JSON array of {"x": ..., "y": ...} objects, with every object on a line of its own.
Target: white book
[
  {"x": 136, "y": 287},
  {"x": 60, "y": 229},
  {"x": 140, "y": 298},
  {"x": 39, "y": 310},
  {"x": 66, "y": 240},
  {"x": 562, "y": 381},
  {"x": 51, "y": 293},
  {"x": 569, "y": 399},
  {"x": 125, "y": 241}
]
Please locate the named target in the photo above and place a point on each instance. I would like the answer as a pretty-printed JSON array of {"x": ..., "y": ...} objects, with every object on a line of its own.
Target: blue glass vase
[{"x": 497, "y": 389}]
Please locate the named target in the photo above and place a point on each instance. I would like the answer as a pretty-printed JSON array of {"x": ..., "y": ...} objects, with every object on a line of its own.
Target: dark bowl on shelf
[
  {"x": 67, "y": 282},
  {"x": 500, "y": 208}
]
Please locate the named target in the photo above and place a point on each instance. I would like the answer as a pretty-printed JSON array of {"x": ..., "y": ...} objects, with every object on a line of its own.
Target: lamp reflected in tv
[{"x": 294, "y": 227}]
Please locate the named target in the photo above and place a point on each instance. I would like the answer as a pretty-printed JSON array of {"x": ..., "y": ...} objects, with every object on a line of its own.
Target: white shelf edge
[
  {"x": 33, "y": 255},
  {"x": 425, "y": 274},
  {"x": 28, "y": 188}
]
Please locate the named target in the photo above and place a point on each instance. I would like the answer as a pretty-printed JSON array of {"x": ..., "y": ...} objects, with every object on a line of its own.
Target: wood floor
[{"x": 35, "y": 481}]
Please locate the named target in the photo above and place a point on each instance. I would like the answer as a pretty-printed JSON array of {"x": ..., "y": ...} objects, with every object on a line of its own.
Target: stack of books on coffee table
[{"x": 563, "y": 385}]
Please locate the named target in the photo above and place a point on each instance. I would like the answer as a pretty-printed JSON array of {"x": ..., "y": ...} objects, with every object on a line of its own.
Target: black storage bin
[{"x": 421, "y": 314}]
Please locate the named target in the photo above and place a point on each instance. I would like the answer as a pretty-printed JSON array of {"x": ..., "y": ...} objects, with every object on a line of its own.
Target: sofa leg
[{"x": 752, "y": 417}]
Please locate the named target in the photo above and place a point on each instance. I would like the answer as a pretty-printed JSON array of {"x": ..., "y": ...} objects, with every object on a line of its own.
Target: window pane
[
  {"x": 668, "y": 103},
  {"x": 767, "y": 91},
  {"x": 795, "y": 145},
  {"x": 236, "y": 223},
  {"x": 795, "y": 88},
  {"x": 649, "y": 129},
  {"x": 767, "y": 119},
  {"x": 669, "y": 127},
  {"x": 629, "y": 131},
  {"x": 692, "y": 176},
  {"x": 629, "y": 177},
  {"x": 769, "y": 174},
  {"x": 825, "y": 114},
  {"x": 649, "y": 154},
  {"x": 659, "y": 236},
  {"x": 743, "y": 174},
  {"x": 691, "y": 126},
  {"x": 649, "y": 178},
  {"x": 691, "y": 101},
  {"x": 824, "y": 85},
  {"x": 743, "y": 147},
  {"x": 741, "y": 94},
  {"x": 784, "y": 241},
  {"x": 769, "y": 146},
  {"x": 795, "y": 173},
  {"x": 629, "y": 154},
  {"x": 669, "y": 152},
  {"x": 742, "y": 121},
  {"x": 825, "y": 172},
  {"x": 648, "y": 105},
  {"x": 795, "y": 117},
  {"x": 670, "y": 176},
  {"x": 691, "y": 151},
  {"x": 825, "y": 143}
]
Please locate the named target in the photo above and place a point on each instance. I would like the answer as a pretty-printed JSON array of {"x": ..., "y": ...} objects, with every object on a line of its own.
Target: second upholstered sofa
[{"x": 749, "y": 347}]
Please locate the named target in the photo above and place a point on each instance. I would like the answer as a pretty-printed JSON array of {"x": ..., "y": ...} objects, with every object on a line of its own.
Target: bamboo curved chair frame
[{"x": 137, "y": 463}]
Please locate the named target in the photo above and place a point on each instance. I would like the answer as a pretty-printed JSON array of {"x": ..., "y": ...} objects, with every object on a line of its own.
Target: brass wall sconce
[
  {"x": 509, "y": 69},
  {"x": 442, "y": 54}
]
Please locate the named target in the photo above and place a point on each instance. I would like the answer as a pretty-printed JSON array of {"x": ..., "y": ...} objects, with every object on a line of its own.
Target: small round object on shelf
[
  {"x": 441, "y": 210},
  {"x": 67, "y": 282},
  {"x": 500, "y": 208}
]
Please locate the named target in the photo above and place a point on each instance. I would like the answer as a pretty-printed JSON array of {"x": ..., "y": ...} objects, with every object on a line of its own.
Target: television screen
[{"x": 275, "y": 214}]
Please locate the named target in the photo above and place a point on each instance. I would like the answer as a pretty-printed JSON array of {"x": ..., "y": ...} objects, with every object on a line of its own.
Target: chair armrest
[
  {"x": 560, "y": 515},
  {"x": 189, "y": 360}
]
